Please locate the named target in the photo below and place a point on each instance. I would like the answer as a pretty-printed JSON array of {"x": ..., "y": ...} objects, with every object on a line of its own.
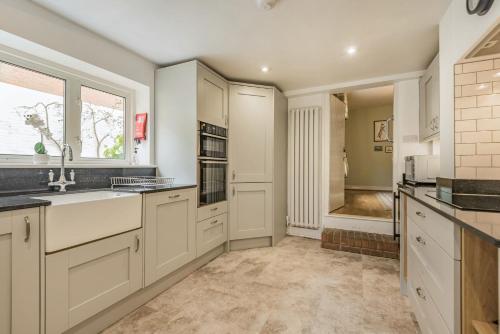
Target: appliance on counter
[
  {"x": 421, "y": 169},
  {"x": 212, "y": 164}
]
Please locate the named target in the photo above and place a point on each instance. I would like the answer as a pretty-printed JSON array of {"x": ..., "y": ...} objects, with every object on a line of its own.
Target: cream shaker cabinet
[
  {"x": 251, "y": 134},
  {"x": 212, "y": 98},
  {"x": 429, "y": 102},
  {"x": 20, "y": 271},
  {"x": 84, "y": 280},
  {"x": 170, "y": 230},
  {"x": 251, "y": 210}
]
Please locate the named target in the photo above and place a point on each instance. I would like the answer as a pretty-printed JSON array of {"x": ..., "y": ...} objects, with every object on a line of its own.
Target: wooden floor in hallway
[
  {"x": 295, "y": 287},
  {"x": 367, "y": 203}
]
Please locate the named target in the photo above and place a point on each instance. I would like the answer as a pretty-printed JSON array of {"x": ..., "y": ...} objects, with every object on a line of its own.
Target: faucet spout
[{"x": 62, "y": 178}]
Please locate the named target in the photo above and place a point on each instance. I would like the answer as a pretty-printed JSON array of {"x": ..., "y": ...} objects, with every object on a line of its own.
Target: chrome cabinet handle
[
  {"x": 214, "y": 209},
  {"x": 234, "y": 174},
  {"x": 214, "y": 222},
  {"x": 27, "y": 225},
  {"x": 420, "y": 292},
  {"x": 174, "y": 196},
  {"x": 137, "y": 243},
  {"x": 420, "y": 214},
  {"x": 420, "y": 240}
]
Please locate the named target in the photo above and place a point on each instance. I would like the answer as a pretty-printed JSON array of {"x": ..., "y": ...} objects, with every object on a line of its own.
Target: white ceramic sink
[{"x": 76, "y": 218}]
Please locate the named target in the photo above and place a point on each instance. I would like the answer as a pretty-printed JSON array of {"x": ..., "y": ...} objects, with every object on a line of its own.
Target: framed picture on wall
[
  {"x": 380, "y": 131},
  {"x": 388, "y": 149}
]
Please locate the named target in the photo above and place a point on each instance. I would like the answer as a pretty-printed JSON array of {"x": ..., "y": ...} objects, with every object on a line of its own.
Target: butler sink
[{"x": 77, "y": 218}]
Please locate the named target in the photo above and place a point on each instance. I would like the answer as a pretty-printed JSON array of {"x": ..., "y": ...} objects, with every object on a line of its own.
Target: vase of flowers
[{"x": 40, "y": 157}]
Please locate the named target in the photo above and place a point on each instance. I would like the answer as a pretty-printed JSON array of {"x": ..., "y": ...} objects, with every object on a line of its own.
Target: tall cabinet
[
  {"x": 257, "y": 165},
  {"x": 429, "y": 102}
]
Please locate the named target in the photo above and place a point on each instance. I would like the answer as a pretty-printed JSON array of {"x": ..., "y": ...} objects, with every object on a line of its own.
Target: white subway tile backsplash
[
  {"x": 475, "y": 113},
  {"x": 487, "y": 76},
  {"x": 465, "y": 172},
  {"x": 458, "y": 137},
  {"x": 476, "y": 161},
  {"x": 478, "y": 66},
  {"x": 495, "y": 136},
  {"x": 477, "y": 89},
  {"x": 487, "y": 148},
  {"x": 495, "y": 160},
  {"x": 488, "y": 124},
  {"x": 488, "y": 100},
  {"x": 465, "y": 149},
  {"x": 465, "y": 102},
  {"x": 496, "y": 87},
  {"x": 457, "y": 162},
  {"x": 495, "y": 112},
  {"x": 492, "y": 173},
  {"x": 458, "y": 69},
  {"x": 458, "y": 91},
  {"x": 475, "y": 137},
  {"x": 497, "y": 63},
  {"x": 461, "y": 126},
  {"x": 465, "y": 79}
]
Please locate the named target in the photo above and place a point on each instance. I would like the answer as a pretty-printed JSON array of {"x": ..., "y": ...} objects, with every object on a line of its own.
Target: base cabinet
[
  {"x": 251, "y": 210},
  {"x": 19, "y": 271},
  {"x": 82, "y": 281},
  {"x": 210, "y": 233},
  {"x": 170, "y": 229}
]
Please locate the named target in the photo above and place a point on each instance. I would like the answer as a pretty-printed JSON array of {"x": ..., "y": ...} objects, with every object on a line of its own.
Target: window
[
  {"x": 102, "y": 124},
  {"x": 36, "y": 105},
  {"x": 31, "y": 111}
]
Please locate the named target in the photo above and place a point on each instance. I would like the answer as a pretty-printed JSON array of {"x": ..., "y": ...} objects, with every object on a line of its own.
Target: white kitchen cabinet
[
  {"x": 251, "y": 210},
  {"x": 170, "y": 230},
  {"x": 212, "y": 98},
  {"x": 210, "y": 233},
  {"x": 251, "y": 134},
  {"x": 20, "y": 271},
  {"x": 84, "y": 280},
  {"x": 429, "y": 102}
]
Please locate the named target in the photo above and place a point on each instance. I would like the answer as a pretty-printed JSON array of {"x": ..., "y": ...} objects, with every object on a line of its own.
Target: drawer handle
[
  {"x": 27, "y": 225},
  {"x": 420, "y": 240},
  {"x": 174, "y": 196},
  {"x": 420, "y": 214},
  {"x": 214, "y": 209},
  {"x": 137, "y": 243},
  {"x": 214, "y": 222},
  {"x": 420, "y": 293}
]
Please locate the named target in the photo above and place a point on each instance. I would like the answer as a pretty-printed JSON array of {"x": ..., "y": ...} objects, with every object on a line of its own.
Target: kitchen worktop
[
  {"x": 485, "y": 224},
  {"x": 25, "y": 201}
]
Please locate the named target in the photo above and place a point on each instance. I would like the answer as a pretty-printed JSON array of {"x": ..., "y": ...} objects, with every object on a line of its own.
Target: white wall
[
  {"x": 32, "y": 29},
  {"x": 406, "y": 129},
  {"x": 458, "y": 33}
]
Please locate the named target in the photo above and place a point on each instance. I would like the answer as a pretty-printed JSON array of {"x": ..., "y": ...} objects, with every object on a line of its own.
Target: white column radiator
[{"x": 304, "y": 167}]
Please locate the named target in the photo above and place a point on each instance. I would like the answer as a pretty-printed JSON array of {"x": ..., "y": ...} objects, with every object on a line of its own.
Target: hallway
[{"x": 368, "y": 203}]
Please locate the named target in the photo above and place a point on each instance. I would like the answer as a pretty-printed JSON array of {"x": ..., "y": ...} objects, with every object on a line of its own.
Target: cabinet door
[
  {"x": 170, "y": 232},
  {"x": 212, "y": 98},
  {"x": 19, "y": 271},
  {"x": 250, "y": 134},
  {"x": 429, "y": 101},
  {"x": 82, "y": 281},
  {"x": 250, "y": 210}
]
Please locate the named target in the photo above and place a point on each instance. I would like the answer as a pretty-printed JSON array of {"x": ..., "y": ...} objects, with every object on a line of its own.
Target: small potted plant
[{"x": 40, "y": 157}]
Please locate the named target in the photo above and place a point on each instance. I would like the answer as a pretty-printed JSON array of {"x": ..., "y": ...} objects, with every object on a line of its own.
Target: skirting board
[
  {"x": 235, "y": 245},
  {"x": 374, "y": 188},
  {"x": 106, "y": 318},
  {"x": 304, "y": 232}
]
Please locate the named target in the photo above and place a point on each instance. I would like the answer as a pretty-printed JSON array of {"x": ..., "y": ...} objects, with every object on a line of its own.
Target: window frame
[{"x": 72, "y": 113}]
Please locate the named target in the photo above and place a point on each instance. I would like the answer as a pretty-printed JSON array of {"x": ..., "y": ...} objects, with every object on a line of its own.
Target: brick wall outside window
[{"x": 477, "y": 119}]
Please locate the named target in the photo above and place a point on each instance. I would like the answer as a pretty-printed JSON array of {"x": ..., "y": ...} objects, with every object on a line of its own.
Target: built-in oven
[{"x": 212, "y": 164}]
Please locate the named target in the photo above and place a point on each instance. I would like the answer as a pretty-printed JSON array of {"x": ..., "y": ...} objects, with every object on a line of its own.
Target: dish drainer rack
[{"x": 140, "y": 181}]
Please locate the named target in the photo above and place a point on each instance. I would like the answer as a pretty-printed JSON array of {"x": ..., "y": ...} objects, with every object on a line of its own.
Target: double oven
[{"x": 212, "y": 164}]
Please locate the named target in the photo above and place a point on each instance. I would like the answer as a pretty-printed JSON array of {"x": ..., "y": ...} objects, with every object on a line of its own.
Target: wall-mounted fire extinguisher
[{"x": 140, "y": 127}]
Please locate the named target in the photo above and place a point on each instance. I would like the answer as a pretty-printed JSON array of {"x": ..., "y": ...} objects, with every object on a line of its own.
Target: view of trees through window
[{"x": 32, "y": 110}]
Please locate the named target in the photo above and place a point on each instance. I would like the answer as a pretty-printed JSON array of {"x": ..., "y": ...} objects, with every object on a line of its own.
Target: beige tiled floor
[{"x": 296, "y": 287}]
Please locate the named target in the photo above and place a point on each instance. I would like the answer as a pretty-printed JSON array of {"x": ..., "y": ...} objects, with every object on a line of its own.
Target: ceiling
[
  {"x": 302, "y": 42},
  {"x": 370, "y": 97}
]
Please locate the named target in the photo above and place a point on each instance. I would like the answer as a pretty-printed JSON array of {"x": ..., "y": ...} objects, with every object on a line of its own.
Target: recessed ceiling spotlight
[
  {"x": 266, "y": 4},
  {"x": 264, "y": 69},
  {"x": 351, "y": 50}
]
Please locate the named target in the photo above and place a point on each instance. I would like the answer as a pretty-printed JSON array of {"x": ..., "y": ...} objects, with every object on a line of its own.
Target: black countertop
[
  {"x": 25, "y": 201},
  {"x": 485, "y": 224}
]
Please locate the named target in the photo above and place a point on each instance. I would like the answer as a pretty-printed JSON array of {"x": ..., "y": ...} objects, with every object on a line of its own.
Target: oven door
[
  {"x": 212, "y": 146},
  {"x": 212, "y": 181}
]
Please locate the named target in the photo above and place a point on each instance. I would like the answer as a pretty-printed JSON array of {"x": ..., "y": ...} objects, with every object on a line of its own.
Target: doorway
[{"x": 361, "y": 153}]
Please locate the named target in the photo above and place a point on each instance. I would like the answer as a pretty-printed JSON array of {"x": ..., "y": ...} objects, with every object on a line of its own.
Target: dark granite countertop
[
  {"x": 485, "y": 224},
  {"x": 24, "y": 201}
]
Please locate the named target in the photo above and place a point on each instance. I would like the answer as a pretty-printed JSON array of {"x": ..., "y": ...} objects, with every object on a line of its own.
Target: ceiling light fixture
[
  {"x": 264, "y": 69},
  {"x": 266, "y": 4},
  {"x": 351, "y": 50}
]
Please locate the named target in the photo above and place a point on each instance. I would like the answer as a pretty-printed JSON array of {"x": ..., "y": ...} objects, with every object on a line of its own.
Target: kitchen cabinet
[
  {"x": 212, "y": 98},
  {"x": 251, "y": 210},
  {"x": 429, "y": 102},
  {"x": 84, "y": 280},
  {"x": 251, "y": 134},
  {"x": 20, "y": 271},
  {"x": 170, "y": 232},
  {"x": 210, "y": 233}
]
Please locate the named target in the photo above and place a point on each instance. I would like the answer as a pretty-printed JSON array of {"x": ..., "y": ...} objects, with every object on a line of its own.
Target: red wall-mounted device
[{"x": 140, "y": 126}]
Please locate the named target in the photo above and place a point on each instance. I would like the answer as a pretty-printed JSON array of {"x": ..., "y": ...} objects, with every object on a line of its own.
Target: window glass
[
  {"x": 31, "y": 111},
  {"x": 102, "y": 124}
]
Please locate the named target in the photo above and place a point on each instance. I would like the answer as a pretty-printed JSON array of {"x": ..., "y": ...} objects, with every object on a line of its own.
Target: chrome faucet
[{"x": 62, "y": 183}]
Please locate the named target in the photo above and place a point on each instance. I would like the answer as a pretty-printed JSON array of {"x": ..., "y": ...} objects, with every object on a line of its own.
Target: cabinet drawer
[
  {"x": 212, "y": 210},
  {"x": 443, "y": 231},
  {"x": 428, "y": 316},
  {"x": 210, "y": 233},
  {"x": 438, "y": 271}
]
